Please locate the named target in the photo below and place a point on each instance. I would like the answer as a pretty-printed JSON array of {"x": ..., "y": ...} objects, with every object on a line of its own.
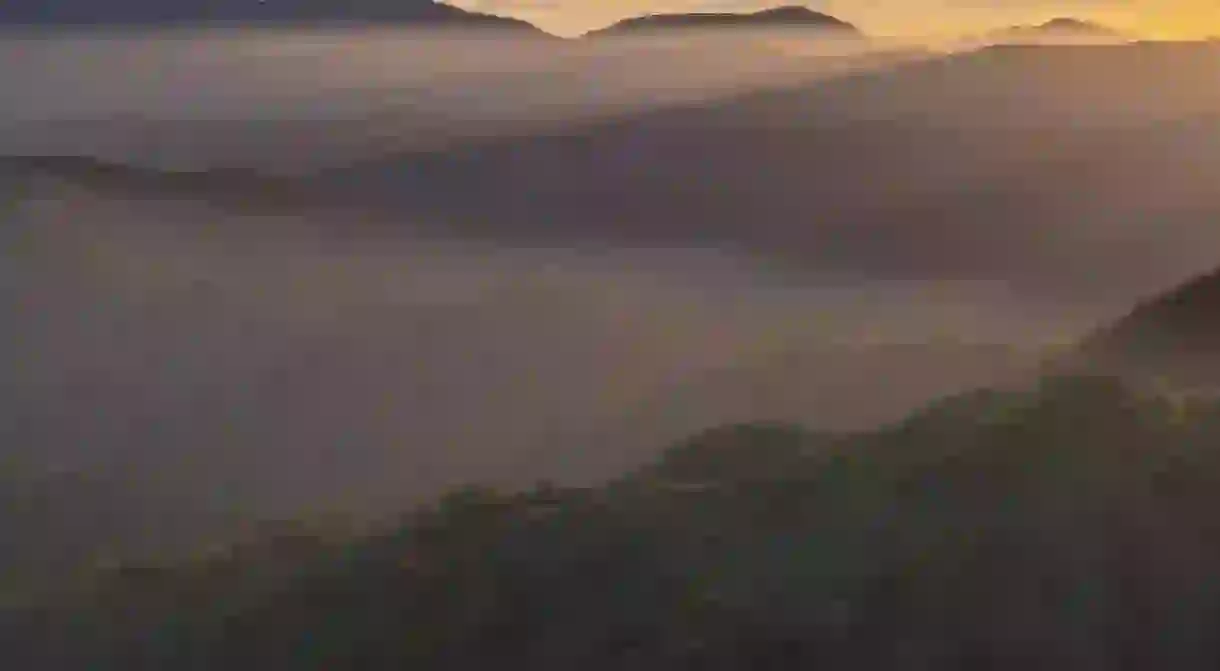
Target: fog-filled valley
[
  {"x": 269, "y": 364},
  {"x": 300, "y": 274}
]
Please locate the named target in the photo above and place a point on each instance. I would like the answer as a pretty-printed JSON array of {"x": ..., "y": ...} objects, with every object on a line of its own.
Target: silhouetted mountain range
[
  {"x": 848, "y": 156},
  {"x": 424, "y": 13},
  {"x": 789, "y": 17},
  {"x": 827, "y": 154}
]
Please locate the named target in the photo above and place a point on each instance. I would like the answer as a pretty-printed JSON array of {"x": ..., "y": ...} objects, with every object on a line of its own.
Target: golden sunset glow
[{"x": 1165, "y": 19}]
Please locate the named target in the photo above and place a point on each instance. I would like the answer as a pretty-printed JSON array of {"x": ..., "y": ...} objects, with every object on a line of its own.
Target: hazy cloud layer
[{"x": 222, "y": 362}]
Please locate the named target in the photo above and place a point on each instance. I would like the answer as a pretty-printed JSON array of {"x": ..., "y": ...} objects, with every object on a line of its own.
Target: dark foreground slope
[{"x": 1062, "y": 528}]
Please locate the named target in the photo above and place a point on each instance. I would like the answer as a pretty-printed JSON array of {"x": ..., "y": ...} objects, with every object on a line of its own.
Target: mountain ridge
[{"x": 1169, "y": 338}]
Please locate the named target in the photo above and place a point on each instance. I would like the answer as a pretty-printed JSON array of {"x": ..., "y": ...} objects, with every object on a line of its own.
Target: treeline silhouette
[{"x": 1066, "y": 525}]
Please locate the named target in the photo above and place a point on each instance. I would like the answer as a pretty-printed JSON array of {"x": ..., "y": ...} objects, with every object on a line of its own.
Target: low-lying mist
[
  {"x": 177, "y": 366},
  {"x": 224, "y": 366}
]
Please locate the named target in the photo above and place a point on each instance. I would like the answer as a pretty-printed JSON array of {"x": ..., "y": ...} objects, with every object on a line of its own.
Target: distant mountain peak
[
  {"x": 789, "y": 16},
  {"x": 130, "y": 13},
  {"x": 1061, "y": 27},
  {"x": 1072, "y": 24}
]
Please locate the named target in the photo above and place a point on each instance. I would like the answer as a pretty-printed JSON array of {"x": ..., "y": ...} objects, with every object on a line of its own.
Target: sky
[{"x": 1152, "y": 18}]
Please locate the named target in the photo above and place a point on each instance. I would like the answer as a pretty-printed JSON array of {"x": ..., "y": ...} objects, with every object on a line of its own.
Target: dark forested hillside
[{"x": 1062, "y": 527}]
